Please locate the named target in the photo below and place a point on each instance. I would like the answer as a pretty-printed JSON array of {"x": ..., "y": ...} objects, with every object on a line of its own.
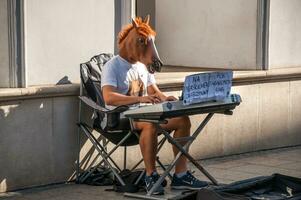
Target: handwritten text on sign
[{"x": 207, "y": 86}]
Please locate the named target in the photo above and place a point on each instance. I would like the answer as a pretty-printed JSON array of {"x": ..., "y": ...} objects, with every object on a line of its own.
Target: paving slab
[
  {"x": 225, "y": 170},
  {"x": 293, "y": 166}
]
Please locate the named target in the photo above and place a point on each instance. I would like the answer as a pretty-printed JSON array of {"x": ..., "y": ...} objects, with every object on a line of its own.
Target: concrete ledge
[
  {"x": 45, "y": 91},
  {"x": 167, "y": 81}
]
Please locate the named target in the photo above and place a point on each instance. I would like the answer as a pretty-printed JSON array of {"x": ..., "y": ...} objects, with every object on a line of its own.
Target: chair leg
[
  {"x": 103, "y": 154},
  {"x": 105, "y": 143},
  {"x": 107, "y": 155},
  {"x": 88, "y": 131},
  {"x": 82, "y": 179},
  {"x": 160, "y": 145},
  {"x": 124, "y": 158}
]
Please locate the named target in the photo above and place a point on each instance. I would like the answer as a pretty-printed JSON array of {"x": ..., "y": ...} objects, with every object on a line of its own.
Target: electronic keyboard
[{"x": 170, "y": 109}]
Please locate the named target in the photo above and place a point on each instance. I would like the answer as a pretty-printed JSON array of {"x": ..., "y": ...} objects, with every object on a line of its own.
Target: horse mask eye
[{"x": 142, "y": 41}]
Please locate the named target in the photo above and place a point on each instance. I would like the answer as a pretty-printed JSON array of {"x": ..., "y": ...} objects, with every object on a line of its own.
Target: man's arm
[
  {"x": 113, "y": 98},
  {"x": 154, "y": 90}
]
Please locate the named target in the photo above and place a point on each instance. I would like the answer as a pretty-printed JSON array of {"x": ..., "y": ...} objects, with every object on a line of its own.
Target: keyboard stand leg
[
  {"x": 183, "y": 149},
  {"x": 166, "y": 172}
]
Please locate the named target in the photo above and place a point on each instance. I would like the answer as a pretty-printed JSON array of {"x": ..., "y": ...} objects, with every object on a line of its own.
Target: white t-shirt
[{"x": 129, "y": 79}]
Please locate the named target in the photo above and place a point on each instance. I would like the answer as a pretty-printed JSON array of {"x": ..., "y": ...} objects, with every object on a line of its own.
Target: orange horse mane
[{"x": 143, "y": 28}]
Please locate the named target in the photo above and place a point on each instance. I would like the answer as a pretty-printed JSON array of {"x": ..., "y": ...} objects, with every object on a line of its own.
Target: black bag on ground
[
  {"x": 275, "y": 187},
  {"x": 100, "y": 176},
  {"x": 130, "y": 178}
]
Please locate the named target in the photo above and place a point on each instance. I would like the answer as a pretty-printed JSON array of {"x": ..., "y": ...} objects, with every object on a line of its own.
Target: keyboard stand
[{"x": 183, "y": 150}]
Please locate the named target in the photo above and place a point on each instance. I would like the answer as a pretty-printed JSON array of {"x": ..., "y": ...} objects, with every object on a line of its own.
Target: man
[{"x": 126, "y": 80}]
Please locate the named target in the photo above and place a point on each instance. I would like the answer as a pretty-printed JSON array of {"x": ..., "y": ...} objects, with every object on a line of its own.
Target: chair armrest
[
  {"x": 118, "y": 109},
  {"x": 113, "y": 116},
  {"x": 89, "y": 102},
  {"x": 95, "y": 106}
]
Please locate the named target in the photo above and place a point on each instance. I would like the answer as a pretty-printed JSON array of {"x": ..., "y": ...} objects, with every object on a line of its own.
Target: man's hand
[
  {"x": 171, "y": 98},
  {"x": 149, "y": 99},
  {"x": 154, "y": 90}
]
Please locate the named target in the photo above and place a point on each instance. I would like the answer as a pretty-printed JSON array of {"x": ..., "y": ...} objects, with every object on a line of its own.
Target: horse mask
[{"x": 136, "y": 42}]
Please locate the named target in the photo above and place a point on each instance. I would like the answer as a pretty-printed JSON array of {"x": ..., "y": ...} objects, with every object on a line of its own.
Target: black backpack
[
  {"x": 130, "y": 178},
  {"x": 100, "y": 176}
]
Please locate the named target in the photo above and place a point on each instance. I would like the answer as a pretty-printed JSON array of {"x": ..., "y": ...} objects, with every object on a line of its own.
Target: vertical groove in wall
[
  {"x": 11, "y": 43},
  {"x": 117, "y": 24},
  {"x": 266, "y": 26},
  {"x": 124, "y": 11},
  {"x": 22, "y": 66},
  {"x": 144, "y": 8},
  {"x": 16, "y": 43},
  {"x": 262, "y": 37}
]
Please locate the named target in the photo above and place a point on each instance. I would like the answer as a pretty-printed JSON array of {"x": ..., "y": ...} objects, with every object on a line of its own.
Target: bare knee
[
  {"x": 184, "y": 122},
  {"x": 148, "y": 136},
  {"x": 146, "y": 129}
]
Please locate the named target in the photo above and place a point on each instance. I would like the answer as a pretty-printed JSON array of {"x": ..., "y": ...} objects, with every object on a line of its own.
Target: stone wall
[
  {"x": 38, "y": 141},
  {"x": 39, "y": 134}
]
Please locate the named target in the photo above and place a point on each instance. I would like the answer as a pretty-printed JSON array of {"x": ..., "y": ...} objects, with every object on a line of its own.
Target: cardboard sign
[{"x": 207, "y": 86}]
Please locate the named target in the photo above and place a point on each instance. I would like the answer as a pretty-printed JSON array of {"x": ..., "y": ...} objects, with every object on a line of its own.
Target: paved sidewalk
[{"x": 227, "y": 169}]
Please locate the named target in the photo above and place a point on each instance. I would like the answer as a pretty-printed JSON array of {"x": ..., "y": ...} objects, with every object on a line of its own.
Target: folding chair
[{"x": 117, "y": 131}]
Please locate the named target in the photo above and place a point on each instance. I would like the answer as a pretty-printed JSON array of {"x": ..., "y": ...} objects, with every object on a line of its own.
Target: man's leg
[
  {"x": 148, "y": 141},
  {"x": 182, "y": 178},
  {"x": 181, "y": 126},
  {"x": 148, "y": 145}
]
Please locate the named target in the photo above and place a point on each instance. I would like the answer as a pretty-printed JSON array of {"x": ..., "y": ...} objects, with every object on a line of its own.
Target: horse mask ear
[
  {"x": 146, "y": 20},
  {"x": 135, "y": 24}
]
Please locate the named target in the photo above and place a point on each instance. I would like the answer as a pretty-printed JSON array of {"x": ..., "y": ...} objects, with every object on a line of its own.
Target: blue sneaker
[
  {"x": 188, "y": 181},
  {"x": 150, "y": 182}
]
